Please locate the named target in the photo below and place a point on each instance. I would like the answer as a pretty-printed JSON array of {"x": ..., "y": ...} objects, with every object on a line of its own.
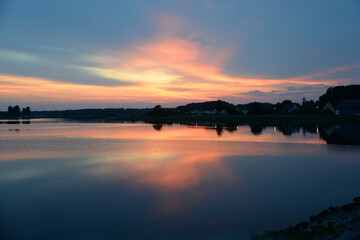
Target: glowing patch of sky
[{"x": 138, "y": 53}]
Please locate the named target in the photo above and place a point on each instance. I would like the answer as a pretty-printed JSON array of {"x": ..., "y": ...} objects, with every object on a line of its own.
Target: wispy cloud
[
  {"x": 180, "y": 67},
  {"x": 176, "y": 64}
]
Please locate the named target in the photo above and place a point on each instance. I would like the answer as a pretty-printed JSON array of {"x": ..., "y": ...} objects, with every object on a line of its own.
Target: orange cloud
[
  {"x": 164, "y": 68},
  {"x": 20, "y": 88},
  {"x": 181, "y": 67}
]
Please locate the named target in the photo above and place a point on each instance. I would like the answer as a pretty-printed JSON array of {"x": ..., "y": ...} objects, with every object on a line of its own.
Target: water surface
[{"x": 69, "y": 180}]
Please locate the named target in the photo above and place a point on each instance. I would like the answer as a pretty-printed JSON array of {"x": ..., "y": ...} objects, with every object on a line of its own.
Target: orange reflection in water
[
  {"x": 173, "y": 176},
  {"x": 176, "y": 173},
  {"x": 173, "y": 161}
]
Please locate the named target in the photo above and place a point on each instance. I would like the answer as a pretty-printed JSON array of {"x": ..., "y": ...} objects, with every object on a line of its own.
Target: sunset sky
[{"x": 72, "y": 54}]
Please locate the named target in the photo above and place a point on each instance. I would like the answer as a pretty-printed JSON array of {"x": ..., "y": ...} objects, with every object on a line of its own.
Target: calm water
[{"x": 66, "y": 180}]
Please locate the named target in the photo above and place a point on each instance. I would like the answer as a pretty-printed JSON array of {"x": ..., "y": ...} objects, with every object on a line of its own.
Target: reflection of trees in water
[
  {"x": 257, "y": 129},
  {"x": 27, "y": 121},
  {"x": 219, "y": 129},
  {"x": 285, "y": 129},
  {"x": 288, "y": 130},
  {"x": 334, "y": 134},
  {"x": 157, "y": 127},
  {"x": 13, "y": 122},
  {"x": 310, "y": 129},
  {"x": 341, "y": 134},
  {"x": 231, "y": 128}
]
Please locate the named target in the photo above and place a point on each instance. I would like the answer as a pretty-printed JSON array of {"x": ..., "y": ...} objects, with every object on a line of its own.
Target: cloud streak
[{"x": 175, "y": 63}]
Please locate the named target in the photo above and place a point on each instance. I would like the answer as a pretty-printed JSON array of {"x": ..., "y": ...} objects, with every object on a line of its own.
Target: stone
[
  {"x": 290, "y": 229},
  {"x": 324, "y": 213},
  {"x": 348, "y": 235},
  {"x": 314, "y": 219},
  {"x": 348, "y": 207}
]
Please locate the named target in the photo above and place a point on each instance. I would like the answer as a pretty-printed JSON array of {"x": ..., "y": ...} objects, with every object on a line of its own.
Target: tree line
[
  {"x": 332, "y": 95},
  {"x": 14, "y": 111}
]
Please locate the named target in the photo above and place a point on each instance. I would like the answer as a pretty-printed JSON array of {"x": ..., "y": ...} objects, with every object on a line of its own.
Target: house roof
[{"x": 289, "y": 107}]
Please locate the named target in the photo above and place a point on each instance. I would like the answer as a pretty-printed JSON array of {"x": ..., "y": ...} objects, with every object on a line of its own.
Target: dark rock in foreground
[{"x": 341, "y": 223}]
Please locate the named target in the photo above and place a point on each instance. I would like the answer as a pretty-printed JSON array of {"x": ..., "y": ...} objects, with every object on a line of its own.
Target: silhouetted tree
[
  {"x": 14, "y": 111},
  {"x": 208, "y": 106},
  {"x": 219, "y": 105},
  {"x": 303, "y": 101},
  {"x": 26, "y": 111},
  {"x": 278, "y": 108},
  {"x": 256, "y": 108},
  {"x": 169, "y": 112},
  {"x": 157, "y": 111},
  {"x": 339, "y": 93},
  {"x": 309, "y": 107},
  {"x": 231, "y": 109}
]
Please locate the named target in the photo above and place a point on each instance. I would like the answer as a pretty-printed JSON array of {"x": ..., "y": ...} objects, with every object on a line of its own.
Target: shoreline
[
  {"x": 332, "y": 223},
  {"x": 231, "y": 119},
  {"x": 235, "y": 119}
]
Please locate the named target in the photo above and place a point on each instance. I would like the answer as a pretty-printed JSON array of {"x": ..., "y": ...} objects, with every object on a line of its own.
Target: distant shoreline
[
  {"x": 227, "y": 119},
  {"x": 231, "y": 119}
]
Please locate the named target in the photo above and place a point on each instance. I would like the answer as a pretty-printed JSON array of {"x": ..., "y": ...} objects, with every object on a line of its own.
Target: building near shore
[{"x": 349, "y": 106}]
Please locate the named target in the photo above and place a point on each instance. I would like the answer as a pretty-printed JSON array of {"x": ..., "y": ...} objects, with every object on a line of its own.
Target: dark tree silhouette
[
  {"x": 309, "y": 107},
  {"x": 14, "y": 111},
  {"x": 303, "y": 101},
  {"x": 278, "y": 108},
  {"x": 219, "y": 105},
  {"x": 339, "y": 93},
  {"x": 26, "y": 111},
  {"x": 210, "y": 106},
  {"x": 256, "y": 108},
  {"x": 231, "y": 109},
  {"x": 10, "y": 110},
  {"x": 157, "y": 111}
]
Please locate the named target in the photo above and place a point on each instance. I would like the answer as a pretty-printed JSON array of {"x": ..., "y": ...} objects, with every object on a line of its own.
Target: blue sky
[{"x": 92, "y": 53}]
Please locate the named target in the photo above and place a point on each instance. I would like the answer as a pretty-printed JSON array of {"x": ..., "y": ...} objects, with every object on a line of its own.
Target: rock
[
  {"x": 290, "y": 229},
  {"x": 304, "y": 225},
  {"x": 331, "y": 224},
  {"x": 297, "y": 227},
  {"x": 333, "y": 209},
  {"x": 301, "y": 226},
  {"x": 324, "y": 213},
  {"x": 314, "y": 219},
  {"x": 348, "y": 207},
  {"x": 347, "y": 235}
]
